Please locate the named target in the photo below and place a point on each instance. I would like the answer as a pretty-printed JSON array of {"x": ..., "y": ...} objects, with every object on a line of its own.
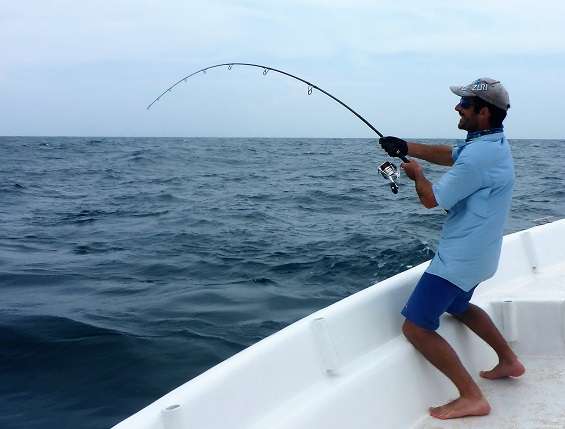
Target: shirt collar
[{"x": 475, "y": 134}]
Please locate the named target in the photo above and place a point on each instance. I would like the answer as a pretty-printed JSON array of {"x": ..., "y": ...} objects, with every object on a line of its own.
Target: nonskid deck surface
[{"x": 533, "y": 401}]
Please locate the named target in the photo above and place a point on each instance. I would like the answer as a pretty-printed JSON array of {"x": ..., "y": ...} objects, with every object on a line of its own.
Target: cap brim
[{"x": 461, "y": 91}]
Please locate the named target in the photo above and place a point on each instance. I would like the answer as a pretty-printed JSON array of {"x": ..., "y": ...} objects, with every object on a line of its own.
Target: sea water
[{"x": 129, "y": 266}]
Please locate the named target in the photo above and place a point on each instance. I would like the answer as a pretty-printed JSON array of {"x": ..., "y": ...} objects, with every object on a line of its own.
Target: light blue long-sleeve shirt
[{"x": 477, "y": 192}]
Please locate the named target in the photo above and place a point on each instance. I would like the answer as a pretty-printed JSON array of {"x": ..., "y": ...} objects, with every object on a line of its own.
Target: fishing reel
[{"x": 389, "y": 171}]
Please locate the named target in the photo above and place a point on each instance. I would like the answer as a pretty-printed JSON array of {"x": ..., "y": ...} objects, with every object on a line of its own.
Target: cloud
[
  {"x": 439, "y": 27},
  {"x": 374, "y": 54},
  {"x": 37, "y": 32},
  {"x": 65, "y": 31}
]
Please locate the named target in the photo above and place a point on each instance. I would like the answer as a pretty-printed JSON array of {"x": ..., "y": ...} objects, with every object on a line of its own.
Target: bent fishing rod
[{"x": 387, "y": 169}]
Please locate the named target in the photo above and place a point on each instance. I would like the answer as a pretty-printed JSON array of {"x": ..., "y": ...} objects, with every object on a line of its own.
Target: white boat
[{"x": 349, "y": 366}]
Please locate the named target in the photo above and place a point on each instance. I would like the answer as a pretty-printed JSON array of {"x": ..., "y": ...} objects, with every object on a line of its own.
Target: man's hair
[{"x": 497, "y": 115}]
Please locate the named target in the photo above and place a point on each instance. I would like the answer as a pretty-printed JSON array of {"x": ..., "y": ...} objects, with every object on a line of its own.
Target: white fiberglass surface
[
  {"x": 533, "y": 401},
  {"x": 349, "y": 366}
]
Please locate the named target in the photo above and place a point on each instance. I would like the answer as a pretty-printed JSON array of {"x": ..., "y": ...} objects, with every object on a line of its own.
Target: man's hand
[
  {"x": 394, "y": 146},
  {"x": 412, "y": 169}
]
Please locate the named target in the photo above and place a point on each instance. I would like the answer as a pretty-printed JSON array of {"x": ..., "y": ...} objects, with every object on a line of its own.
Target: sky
[{"x": 90, "y": 67}]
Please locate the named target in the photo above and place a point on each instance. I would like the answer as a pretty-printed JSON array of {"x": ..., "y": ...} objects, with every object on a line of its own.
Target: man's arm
[
  {"x": 423, "y": 186},
  {"x": 425, "y": 191},
  {"x": 437, "y": 154}
]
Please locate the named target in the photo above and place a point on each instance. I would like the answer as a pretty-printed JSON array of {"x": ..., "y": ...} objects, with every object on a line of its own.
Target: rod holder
[
  {"x": 172, "y": 417},
  {"x": 509, "y": 320},
  {"x": 531, "y": 253},
  {"x": 325, "y": 346},
  {"x": 563, "y": 320}
]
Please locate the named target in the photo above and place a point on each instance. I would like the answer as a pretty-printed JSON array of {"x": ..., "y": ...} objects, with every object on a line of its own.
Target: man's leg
[
  {"x": 436, "y": 350},
  {"x": 481, "y": 324}
]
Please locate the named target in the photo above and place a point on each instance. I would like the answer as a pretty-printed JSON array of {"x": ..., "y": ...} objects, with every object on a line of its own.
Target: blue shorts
[{"x": 432, "y": 297}]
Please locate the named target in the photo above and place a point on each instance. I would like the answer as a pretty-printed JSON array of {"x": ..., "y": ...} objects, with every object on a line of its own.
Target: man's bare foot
[
  {"x": 505, "y": 369},
  {"x": 461, "y": 407}
]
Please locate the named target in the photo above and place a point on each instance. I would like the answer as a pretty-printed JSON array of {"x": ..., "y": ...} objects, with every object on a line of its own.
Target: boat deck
[
  {"x": 527, "y": 402},
  {"x": 348, "y": 365}
]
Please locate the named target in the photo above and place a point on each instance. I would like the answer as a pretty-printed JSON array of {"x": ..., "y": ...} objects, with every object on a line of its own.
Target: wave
[
  {"x": 12, "y": 188},
  {"x": 36, "y": 277},
  {"x": 162, "y": 257},
  {"x": 97, "y": 247},
  {"x": 41, "y": 333}
]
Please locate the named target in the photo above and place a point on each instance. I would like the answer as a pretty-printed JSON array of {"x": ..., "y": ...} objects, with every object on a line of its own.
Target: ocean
[{"x": 129, "y": 266}]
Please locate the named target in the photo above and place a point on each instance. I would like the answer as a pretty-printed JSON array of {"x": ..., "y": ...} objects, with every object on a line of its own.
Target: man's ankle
[{"x": 472, "y": 392}]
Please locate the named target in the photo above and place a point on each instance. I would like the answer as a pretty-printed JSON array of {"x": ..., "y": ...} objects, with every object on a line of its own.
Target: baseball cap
[{"x": 487, "y": 89}]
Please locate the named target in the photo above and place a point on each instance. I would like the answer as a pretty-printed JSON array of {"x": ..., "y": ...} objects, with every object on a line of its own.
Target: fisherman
[{"x": 476, "y": 192}]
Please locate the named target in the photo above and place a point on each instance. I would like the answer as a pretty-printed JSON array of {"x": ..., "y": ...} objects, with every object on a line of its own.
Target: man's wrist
[{"x": 419, "y": 176}]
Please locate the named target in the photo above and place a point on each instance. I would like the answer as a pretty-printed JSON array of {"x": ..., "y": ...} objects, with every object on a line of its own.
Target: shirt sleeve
[
  {"x": 455, "y": 153},
  {"x": 458, "y": 183}
]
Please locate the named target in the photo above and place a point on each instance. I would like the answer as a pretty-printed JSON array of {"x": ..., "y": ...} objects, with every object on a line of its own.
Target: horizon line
[{"x": 253, "y": 137}]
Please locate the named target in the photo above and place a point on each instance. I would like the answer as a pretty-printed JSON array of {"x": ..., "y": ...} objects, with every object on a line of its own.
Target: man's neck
[{"x": 474, "y": 134}]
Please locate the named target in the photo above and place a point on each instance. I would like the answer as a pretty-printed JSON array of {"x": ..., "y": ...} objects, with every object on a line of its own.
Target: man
[{"x": 476, "y": 192}]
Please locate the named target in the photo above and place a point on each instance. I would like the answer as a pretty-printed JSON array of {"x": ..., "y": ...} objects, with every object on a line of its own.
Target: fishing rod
[{"x": 387, "y": 169}]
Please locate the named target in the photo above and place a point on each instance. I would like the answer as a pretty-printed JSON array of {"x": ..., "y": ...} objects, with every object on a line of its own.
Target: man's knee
[
  {"x": 413, "y": 332},
  {"x": 467, "y": 314}
]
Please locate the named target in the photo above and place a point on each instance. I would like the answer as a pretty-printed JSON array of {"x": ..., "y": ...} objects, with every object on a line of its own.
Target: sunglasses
[{"x": 466, "y": 102}]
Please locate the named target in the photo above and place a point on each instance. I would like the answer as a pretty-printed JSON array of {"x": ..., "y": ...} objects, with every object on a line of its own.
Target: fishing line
[{"x": 388, "y": 172}]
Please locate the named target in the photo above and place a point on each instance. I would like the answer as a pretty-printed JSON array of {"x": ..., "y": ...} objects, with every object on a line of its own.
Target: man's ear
[
  {"x": 485, "y": 114},
  {"x": 485, "y": 111}
]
